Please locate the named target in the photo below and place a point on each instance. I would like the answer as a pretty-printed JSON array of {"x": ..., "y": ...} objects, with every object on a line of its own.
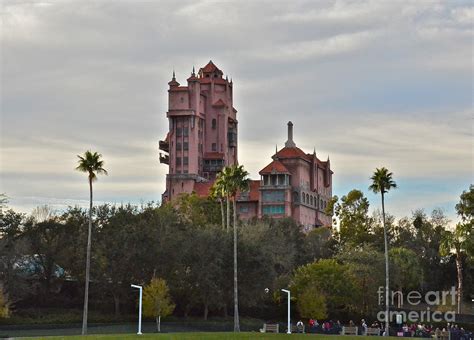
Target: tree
[
  {"x": 93, "y": 165},
  {"x": 157, "y": 301},
  {"x": 382, "y": 183},
  {"x": 312, "y": 304},
  {"x": 4, "y": 305},
  {"x": 331, "y": 279},
  {"x": 46, "y": 241},
  {"x": 217, "y": 192},
  {"x": 354, "y": 222},
  {"x": 234, "y": 179},
  {"x": 457, "y": 243},
  {"x": 407, "y": 272},
  {"x": 365, "y": 265}
]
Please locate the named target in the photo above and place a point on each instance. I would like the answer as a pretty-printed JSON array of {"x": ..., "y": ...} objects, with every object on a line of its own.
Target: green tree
[
  {"x": 157, "y": 301},
  {"x": 332, "y": 280},
  {"x": 93, "y": 165},
  {"x": 365, "y": 265},
  {"x": 234, "y": 179},
  {"x": 217, "y": 192},
  {"x": 354, "y": 221},
  {"x": 311, "y": 304},
  {"x": 382, "y": 183},
  {"x": 4, "y": 304},
  {"x": 456, "y": 243},
  {"x": 406, "y": 271},
  {"x": 46, "y": 241}
]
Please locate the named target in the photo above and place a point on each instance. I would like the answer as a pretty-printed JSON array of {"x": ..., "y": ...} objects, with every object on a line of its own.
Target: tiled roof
[
  {"x": 275, "y": 166},
  {"x": 210, "y": 67},
  {"x": 202, "y": 188},
  {"x": 295, "y": 152},
  {"x": 213, "y": 155}
]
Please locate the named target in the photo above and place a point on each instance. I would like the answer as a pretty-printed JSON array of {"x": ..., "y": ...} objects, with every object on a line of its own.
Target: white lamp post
[
  {"x": 289, "y": 315},
  {"x": 139, "y": 309}
]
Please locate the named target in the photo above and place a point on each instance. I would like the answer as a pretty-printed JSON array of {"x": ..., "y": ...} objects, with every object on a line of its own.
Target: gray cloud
[{"x": 369, "y": 82}]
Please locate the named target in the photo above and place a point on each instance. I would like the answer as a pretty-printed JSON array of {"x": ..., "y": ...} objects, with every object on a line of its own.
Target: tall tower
[{"x": 202, "y": 136}]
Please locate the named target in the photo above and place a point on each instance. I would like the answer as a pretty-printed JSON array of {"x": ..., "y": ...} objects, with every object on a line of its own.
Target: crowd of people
[{"x": 419, "y": 330}]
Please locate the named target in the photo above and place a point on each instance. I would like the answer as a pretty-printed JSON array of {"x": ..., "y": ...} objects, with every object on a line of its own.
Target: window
[
  {"x": 311, "y": 200},
  {"x": 182, "y": 100},
  {"x": 178, "y": 132},
  {"x": 273, "y": 209},
  {"x": 178, "y": 161},
  {"x": 214, "y": 123},
  {"x": 307, "y": 199},
  {"x": 185, "y": 146},
  {"x": 178, "y": 146},
  {"x": 321, "y": 204},
  {"x": 244, "y": 209},
  {"x": 185, "y": 171},
  {"x": 273, "y": 196},
  {"x": 185, "y": 131},
  {"x": 185, "y": 160},
  {"x": 302, "y": 198},
  {"x": 214, "y": 147}
]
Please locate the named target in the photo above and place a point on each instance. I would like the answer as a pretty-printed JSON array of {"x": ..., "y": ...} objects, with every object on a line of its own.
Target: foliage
[
  {"x": 4, "y": 305},
  {"x": 333, "y": 281},
  {"x": 156, "y": 299},
  {"x": 355, "y": 225},
  {"x": 312, "y": 303}
]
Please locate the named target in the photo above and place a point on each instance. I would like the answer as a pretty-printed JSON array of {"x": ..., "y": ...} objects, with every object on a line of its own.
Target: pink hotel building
[{"x": 202, "y": 139}]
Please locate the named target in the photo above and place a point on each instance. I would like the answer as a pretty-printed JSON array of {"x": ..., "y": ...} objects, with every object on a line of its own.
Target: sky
[{"x": 367, "y": 83}]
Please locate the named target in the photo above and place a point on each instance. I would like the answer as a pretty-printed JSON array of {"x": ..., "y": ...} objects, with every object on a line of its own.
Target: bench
[
  {"x": 350, "y": 330},
  {"x": 442, "y": 335},
  {"x": 372, "y": 331},
  {"x": 270, "y": 327},
  {"x": 294, "y": 329}
]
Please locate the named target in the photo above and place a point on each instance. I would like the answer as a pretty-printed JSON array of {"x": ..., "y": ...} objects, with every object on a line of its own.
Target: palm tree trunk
[
  {"x": 88, "y": 264},
  {"x": 236, "y": 296},
  {"x": 222, "y": 213},
  {"x": 387, "y": 302},
  {"x": 228, "y": 212},
  {"x": 460, "y": 284}
]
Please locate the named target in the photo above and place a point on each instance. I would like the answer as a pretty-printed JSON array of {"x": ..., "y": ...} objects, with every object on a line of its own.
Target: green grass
[{"x": 213, "y": 336}]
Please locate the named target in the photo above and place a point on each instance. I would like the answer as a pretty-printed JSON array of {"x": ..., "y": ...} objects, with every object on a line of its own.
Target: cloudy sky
[{"x": 369, "y": 83}]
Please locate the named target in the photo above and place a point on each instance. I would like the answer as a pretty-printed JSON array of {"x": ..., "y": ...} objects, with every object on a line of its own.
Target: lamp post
[
  {"x": 139, "y": 309},
  {"x": 289, "y": 315}
]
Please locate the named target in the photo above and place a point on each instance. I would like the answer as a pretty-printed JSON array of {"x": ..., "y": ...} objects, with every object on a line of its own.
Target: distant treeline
[{"x": 332, "y": 273}]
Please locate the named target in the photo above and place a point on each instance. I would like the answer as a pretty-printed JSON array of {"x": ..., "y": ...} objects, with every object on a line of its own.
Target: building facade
[
  {"x": 202, "y": 136},
  {"x": 202, "y": 139}
]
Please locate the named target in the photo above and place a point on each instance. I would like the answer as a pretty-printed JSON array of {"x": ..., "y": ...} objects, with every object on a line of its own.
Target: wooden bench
[
  {"x": 294, "y": 329},
  {"x": 442, "y": 335},
  {"x": 270, "y": 328},
  {"x": 372, "y": 331},
  {"x": 350, "y": 330}
]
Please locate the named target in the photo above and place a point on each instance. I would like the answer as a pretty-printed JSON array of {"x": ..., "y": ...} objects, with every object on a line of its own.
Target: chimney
[{"x": 289, "y": 143}]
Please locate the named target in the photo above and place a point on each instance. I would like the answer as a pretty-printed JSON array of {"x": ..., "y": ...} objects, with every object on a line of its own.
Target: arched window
[
  {"x": 311, "y": 199},
  {"x": 307, "y": 198},
  {"x": 321, "y": 206},
  {"x": 302, "y": 197},
  {"x": 214, "y": 123}
]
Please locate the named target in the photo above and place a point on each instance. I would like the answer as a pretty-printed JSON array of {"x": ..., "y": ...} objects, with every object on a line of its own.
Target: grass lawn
[{"x": 214, "y": 336}]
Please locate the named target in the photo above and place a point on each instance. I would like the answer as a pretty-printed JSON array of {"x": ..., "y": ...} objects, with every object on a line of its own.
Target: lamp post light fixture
[
  {"x": 289, "y": 314},
  {"x": 139, "y": 309}
]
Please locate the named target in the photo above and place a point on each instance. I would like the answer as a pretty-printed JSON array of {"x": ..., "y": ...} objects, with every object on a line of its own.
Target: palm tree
[
  {"x": 234, "y": 180},
  {"x": 456, "y": 243},
  {"x": 91, "y": 164},
  {"x": 382, "y": 182},
  {"x": 223, "y": 182},
  {"x": 216, "y": 192}
]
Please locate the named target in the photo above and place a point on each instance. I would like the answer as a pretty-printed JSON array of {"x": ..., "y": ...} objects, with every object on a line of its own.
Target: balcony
[
  {"x": 165, "y": 146},
  {"x": 165, "y": 159}
]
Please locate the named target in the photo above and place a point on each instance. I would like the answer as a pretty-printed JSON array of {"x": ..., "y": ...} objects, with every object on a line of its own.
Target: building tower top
[{"x": 289, "y": 143}]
